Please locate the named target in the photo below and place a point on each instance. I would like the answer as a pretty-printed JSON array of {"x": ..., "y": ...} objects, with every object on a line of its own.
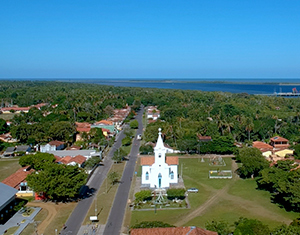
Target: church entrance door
[{"x": 159, "y": 180}]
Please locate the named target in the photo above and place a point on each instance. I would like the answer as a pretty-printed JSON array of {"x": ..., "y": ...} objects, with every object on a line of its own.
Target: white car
[
  {"x": 139, "y": 137},
  {"x": 192, "y": 190}
]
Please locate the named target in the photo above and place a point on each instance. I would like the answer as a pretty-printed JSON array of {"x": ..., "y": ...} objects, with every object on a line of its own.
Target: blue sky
[{"x": 150, "y": 39}]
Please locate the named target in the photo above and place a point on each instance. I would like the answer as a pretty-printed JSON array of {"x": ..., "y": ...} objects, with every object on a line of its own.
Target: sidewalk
[{"x": 19, "y": 220}]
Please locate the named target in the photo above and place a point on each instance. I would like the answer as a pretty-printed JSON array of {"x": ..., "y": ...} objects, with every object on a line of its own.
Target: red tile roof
[
  {"x": 172, "y": 231},
  {"x": 83, "y": 126},
  {"x": 262, "y": 146},
  {"x": 104, "y": 122},
  {"x": 66, "y": 160},
  {"x": 56, "y": 143},
  {"x": 149, "y": 161},
  {"x": 74, "y": 147},
  {"x": 15, "y": 179},
  {"x": 172, "y": 160},
  {"x": 78, "y": 159},
  {"x": 279, "y": 139},
  {"x": 58, "y": 159}
]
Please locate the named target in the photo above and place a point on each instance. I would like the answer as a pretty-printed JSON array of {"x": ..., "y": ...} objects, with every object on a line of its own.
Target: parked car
[
  {"x": 139, "y": 137},
  {"x": 192, "y": 190}
]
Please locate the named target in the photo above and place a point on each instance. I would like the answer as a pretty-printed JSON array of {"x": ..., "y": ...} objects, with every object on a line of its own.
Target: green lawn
[
  {"x": 8, "y": 166},
  {"x": 240, "y": 199}
]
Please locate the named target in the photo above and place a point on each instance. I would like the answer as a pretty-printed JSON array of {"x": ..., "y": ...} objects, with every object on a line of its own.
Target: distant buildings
[
  {"x": 276, "y": 150},
  {"x": 152, "y": 113},
  {"x": 17, "y": 109}
]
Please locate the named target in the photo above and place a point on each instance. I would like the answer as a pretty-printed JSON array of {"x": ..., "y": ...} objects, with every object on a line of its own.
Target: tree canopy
[
  {"x": 57, "y": 181},
  {"x": 38, "y": 161},
  {"x": 253, "y": 162}
]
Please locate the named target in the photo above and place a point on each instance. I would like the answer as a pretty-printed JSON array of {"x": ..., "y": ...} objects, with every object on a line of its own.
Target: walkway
[{"x": 19, "y": 220}]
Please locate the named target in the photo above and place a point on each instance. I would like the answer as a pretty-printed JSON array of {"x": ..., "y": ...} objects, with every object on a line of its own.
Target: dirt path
[
  {"x": 223, "y": 194},
  {"x": 52, "y": 209},
  {"x": 218, "y": 194},
  {"x": 203, "y": 207}
]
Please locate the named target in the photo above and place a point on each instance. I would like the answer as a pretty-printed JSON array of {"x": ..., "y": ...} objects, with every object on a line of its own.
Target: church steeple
[
  {"x": 159, "y": 143},
  {"x": 160, "y": 150}
]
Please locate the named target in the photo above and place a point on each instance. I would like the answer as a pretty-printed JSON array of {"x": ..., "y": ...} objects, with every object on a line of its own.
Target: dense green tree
[
  {"x": 63, "y": 131},
  {"x": 38, "y": 161},
  {"x": 142, "y": 196},
  {"x": 286, "y": 230},
  {"x": 297, "y": 151},
  {"x": 282, "y": 180},
  {"x": 91, "y": 162},
  {"x": 126, "y": 141},
  {"x": 119, "y": 155},
  {"x": 252, "y": 162},
  {"x": 221, "y": 227},
  {"x": 57, "y": 181},
  {"x": 4, "y": 128},
  {"x": 113, "y": 177},
  {"x": 146, "y": 149},
  {"x": 246, "y": 226},
  {"x": 134, "y": 124}
]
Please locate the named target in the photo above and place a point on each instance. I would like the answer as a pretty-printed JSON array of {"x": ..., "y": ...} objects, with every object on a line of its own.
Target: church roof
[{"x": 149, "y": 161}]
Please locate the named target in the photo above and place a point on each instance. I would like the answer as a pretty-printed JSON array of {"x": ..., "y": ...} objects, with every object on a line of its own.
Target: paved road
[
  {"x": 76, "y": 219},
  {"x": 115, "y": 219}
]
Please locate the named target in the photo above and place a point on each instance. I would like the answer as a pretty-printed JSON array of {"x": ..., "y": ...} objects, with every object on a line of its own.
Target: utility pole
[{"x": 181, "y": 170}]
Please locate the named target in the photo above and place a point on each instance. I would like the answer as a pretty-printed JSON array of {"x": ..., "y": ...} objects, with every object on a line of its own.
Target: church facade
[{"x": 159, "y": 171}]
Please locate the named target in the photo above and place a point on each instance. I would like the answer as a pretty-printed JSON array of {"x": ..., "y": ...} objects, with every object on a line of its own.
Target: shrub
[
  {"x": 176, "y": 193},
  {"x": 143, "y": 195}
]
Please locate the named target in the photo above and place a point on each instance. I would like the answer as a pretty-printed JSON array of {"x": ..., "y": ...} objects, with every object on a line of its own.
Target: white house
[{"x": 159, "y": 171}]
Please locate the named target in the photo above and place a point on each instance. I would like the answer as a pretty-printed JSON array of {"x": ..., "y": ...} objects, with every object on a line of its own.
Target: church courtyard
[{"x": 217, "y": 198}]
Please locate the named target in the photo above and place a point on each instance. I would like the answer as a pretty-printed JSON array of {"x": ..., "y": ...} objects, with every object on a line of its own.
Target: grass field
[
  {"x": 60, "y": 218},
  {"x": 8, "y": 166},
  {"x": 235, "y": 198}
]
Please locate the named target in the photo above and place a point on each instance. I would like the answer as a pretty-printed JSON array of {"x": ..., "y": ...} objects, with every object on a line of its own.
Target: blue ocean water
[{"x": 250, "y": 86}]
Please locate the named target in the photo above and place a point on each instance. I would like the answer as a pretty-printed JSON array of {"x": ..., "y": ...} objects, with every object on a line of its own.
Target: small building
[
  {"x": 104, "y": 124},
  {"x": 159, "y": 171},
  {"x": 263, "y": 147},
  {"x": 18, "y": 181},
  {"x": 52, "y": 146},
  {"x": 279, "y": 142},
  {"x": 202, "y": 138},
  {"x": 190, "y": 230},
  {"x": 152, "y": 113},
  {"x": 82, "y": 127},
  {"x": 23, "y": 148},
  {"x": 8, "y": 138},
  {"x": 9, "y": 152},
  {"x": 60, "y": 145}
]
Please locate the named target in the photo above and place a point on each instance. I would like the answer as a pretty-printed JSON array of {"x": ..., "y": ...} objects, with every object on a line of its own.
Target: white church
[{"x": 159, "y": 171}]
